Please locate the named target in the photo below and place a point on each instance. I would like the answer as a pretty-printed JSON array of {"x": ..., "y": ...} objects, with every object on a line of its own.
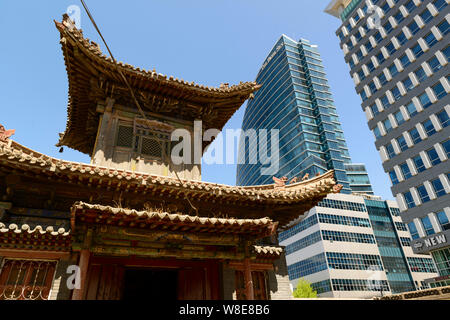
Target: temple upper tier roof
[{"x": 93, "y": 77}]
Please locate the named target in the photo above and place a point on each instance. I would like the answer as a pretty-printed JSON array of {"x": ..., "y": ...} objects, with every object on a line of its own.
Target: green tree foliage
[{"x": 304, "y": 290}]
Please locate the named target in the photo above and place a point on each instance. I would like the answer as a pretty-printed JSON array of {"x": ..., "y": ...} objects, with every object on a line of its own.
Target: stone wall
[{"x": 279, "y": 284}]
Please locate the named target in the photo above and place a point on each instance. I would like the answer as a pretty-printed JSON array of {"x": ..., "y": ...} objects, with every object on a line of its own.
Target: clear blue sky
[{"x": 206, "y": 41}]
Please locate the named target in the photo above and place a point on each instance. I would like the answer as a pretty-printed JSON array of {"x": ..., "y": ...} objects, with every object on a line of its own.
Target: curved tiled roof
[
  {"x": 316, "y": 186},
  {"x": 42, "y": 238},
  {"x": 93, "y": 77},
  {"x": 100, "y": 214},
  {"x": 25, "y": 228},
  {"x": 268, "y": 250}
]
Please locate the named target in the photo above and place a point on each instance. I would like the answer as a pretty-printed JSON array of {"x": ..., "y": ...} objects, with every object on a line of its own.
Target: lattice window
[
  {"x": 125, "y": 137},
  {"x": 26, "y": 279},
  {"x": 151, "y": 147}
]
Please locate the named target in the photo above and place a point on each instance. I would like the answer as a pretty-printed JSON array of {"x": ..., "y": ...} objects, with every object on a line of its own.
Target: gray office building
[{"x": 398, "y": 53}]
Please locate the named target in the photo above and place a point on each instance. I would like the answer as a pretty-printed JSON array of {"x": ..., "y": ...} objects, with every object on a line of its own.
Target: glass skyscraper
[{"x": 295, "y": 98}]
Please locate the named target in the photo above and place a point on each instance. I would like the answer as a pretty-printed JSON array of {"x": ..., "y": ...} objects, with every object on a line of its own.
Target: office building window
[
  {"x": 440, "y": 4},
  {"x": 342, "y": 205},
  {"x": 405, "y": 171},
  {"x": 443, "y": 118},
  {"x": 303, "y": 242},
  {"x": 429, "y": 127},
  {"x": 376, "y": 132},
  {"x": 415, "y": 136},
  {"x": 420, "y": 74},
  {"x": 377, "y": 36},
  {"x": 390, "y": 150},
  {"x": 352, "y": 261},
  {"x": 433, "y": 156},
  {"x": 426, "y": 16},
  {"x": 413, "y": 27},
  {"x": 446, "y": 146},
  {"x": 299, "y": 227},
  {"x": 404, "y": 60},
  {"x": 399, "y": 117},
  {"x": 387, "y": 125},
  {"x": 370, "y": 66},
  {"x": 363, "y": 95},
  {"x": 438, "y": 187},
  {"x": 401, "y": 38},
  {"x": 399, "y": 17},
  {"x": 361, "y": 75},
  {"x": 421, "y": 264},
  {"x": 439, "y": 90},
  {"x": 390, "y": 48},
  {"x": 442, "y": 260},
  {"x": 417, "y": 50},
  {"x": 430, "y": 39},
  {"x": 423, "y": 194},
  {"x": 406, "y": 242},
  {"x": 374, "y": 109},
  {"x": 393, "y": 177},
  {"x": 409, "y": 199},
  {"x": 413, "y": 231},
  {"x": 411, "y": 108},
  {"x": 359, "y": 285},
  {"x": 402, "y": 143},
  {"x": 419, "y": 164},
  {"x": 434, "y": 64},
  {"x": 425, "y": 100},
  {"x": 400, "y": 226},
  {"x": 341, "y": 236},
  {"x": 393, "y": 70},
  {"x": 369, "y": 48},
  {"x": 410, "y": 6},
  {"x": 443, "y": 220},
  {"x": 382, "y": 78},
  {"x": 308, "y": 266},
  {"x": 444, "y": 27},
  {"x": 380, "y": 58},
  {"x": 388, "y": 27},
  {"x": 372, "y": 87},
  {"x": 396, "y": 93},
  {"x": 446, "y": 53},
  {"x": 408, "y": 83},
  {"x": 427, "y": 226},
  {"x": 344, "y": 220}
]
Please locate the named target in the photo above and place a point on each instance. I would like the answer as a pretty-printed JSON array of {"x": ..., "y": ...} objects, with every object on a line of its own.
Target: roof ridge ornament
[{"x": 6, "y": 134}]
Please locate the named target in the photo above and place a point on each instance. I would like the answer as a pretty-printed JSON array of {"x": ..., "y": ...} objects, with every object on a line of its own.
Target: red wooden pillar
[
  {"x": 78, "y": 294},
  {"x": 248, "y": 273},
  {"x": 248, "y": 280}
]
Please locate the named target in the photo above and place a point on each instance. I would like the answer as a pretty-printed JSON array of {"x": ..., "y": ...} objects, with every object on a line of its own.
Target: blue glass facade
[
  {"x": 295, "y": 99},
  {"x": 394, "y": 260}
]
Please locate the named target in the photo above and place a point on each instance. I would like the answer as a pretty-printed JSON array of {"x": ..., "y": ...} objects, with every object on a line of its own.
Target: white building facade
[{"x": 353, "y": 246}]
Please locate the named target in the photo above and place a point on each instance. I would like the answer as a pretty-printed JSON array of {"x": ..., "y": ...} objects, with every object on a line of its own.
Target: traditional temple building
[{"x": 132, "y": 223}]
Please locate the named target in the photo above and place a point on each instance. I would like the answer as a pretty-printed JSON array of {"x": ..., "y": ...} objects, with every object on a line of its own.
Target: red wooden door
[
  {"x": 192, "y": 284},
  {"x": 105, "y": 282}
]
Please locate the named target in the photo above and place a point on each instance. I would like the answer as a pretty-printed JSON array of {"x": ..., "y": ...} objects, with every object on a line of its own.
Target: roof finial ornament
[
  {"x": 305, "y": 177},
  {"x": 279, "y": 183},
  {"x": 5, "y": 134},
  {"x": 293, "y": 180},
  {"x": 337, "y": 188}
]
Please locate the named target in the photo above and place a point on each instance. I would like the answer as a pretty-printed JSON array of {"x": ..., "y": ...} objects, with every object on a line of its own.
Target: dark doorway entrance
[{"x": 150, "y": 284}]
